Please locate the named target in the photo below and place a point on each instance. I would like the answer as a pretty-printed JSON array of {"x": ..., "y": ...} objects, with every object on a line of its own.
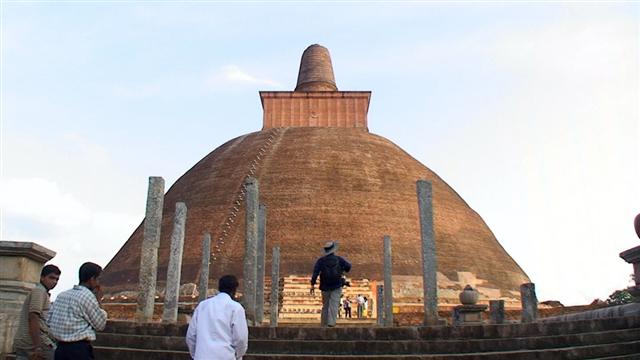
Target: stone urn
[
  {"x": 469, "y": 296},
  {"x": 636, "y": 224}
]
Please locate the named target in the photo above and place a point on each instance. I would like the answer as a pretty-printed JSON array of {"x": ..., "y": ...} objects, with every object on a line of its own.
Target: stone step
[
  {"x": 149, "y": 342},
  {"x": 306, "y": 282},
  {"x": 307, "y": 279},
  {"x": 305, "y": 295},
  {"x": 565, "y": 353},
  {"x": 341, "y": 322},
  {"x": 384, "y": 347},
  {"x": 616, "y": 350},
  {"x": 302, "y": 306},
  {"x": 408, "y": 347},
  {"x": 397, "y": 333},
  {"x": 448, "y": 332},
  {"x": 294, "y": 312},
  {"x": 316, "y": 315},
  {"x": 308, "y": 316},
  {"x": 352, "y": 292},
  {"x": 293, "y": 303},
  {"x": 122, "y": 353}
]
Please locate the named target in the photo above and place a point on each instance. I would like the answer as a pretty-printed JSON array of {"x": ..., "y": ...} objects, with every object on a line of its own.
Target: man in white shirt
[
  {"x": 218, "y": 328},
  {"x": 360, "y": 300}
]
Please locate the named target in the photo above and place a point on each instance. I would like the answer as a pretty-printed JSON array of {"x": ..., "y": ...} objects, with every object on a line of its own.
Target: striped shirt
[
  {"x": 76, "y": 315},
  {"x": 36, "y": 302}
]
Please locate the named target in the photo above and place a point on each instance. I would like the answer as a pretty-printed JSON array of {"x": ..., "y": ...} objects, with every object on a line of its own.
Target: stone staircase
[
  {"x": 613, "y": 338},
  {"x": 298, "y": 304}
]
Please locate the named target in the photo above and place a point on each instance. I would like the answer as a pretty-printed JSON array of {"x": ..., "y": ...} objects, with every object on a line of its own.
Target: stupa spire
[
  {"x": 316, "y": 71},
  {"x": 316, "y": 101}
]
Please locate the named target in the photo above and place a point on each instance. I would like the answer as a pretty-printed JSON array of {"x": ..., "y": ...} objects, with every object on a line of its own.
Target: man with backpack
[{"x": 330, "y": 267}]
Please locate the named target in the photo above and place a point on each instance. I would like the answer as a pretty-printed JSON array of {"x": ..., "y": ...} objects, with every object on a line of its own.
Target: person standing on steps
[
  {"x": 33, "y": 339},
  {"x": 360, "y": 308},
  {"x": 218, "y": 328},
  {"x": 365, "y": 308},
  {"x": 330, "y": 268},
  {"x": 76, "y": 315},
  {"x": 346, "y": 304}
]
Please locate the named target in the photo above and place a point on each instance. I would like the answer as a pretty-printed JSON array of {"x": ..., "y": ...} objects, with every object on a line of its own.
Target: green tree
[{"x": 619, "y": 297}]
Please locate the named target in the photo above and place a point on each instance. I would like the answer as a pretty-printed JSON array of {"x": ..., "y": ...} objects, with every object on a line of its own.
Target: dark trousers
[
  {"x": 347, "y": 313},
  {"x": 77, "y": 350}
]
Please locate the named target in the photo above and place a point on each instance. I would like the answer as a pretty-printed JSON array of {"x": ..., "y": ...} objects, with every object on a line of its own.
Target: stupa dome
[{"x": 323, "y": 176}]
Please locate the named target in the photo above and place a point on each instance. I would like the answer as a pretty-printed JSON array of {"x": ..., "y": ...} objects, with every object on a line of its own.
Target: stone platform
[
  {"x": 297, "y": 303},
  {"x": 614, "y": 338}
]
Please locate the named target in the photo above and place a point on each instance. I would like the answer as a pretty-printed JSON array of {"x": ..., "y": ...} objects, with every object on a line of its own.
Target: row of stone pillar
[
  {"x": 255, "y": 249},
  {"x": 149, "y": 255},
  {"x": 254, "y": 261},
  {"x": 429, "y": 273},
  {"x": 255, "y": 253},
  {"x": 429, "y": 265}
]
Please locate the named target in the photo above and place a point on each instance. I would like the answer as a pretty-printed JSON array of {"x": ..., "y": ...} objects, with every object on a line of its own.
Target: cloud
[
  {"x": 58, "y": 191},
  {"x": 41, "y": 211},
  {"x": 42, "y": 201},
  {"x": 233, "y": 75}
]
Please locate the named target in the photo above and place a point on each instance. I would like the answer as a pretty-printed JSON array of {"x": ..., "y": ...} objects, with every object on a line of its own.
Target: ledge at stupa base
[{"x": 299, "y": 307}]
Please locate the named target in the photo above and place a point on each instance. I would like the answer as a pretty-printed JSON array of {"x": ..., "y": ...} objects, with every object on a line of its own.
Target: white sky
[{"x": 528, "y": 110}]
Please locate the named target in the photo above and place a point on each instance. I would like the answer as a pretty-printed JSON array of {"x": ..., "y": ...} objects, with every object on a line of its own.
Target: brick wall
[{"x": 344, "y": 109}]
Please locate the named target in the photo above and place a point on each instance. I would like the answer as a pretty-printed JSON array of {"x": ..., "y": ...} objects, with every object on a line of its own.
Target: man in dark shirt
[{"x": 330, "y": 267}]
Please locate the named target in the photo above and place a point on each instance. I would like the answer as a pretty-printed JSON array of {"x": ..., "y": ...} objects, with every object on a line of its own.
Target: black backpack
[{"x": 331, "y": 271}]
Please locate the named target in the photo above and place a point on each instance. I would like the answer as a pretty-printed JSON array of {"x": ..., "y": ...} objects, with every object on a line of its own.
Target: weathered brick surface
[
  {"x": 319, "y": 184},
  {"x": 316, "y": 70},
  {"x": 345, "y": 109}
]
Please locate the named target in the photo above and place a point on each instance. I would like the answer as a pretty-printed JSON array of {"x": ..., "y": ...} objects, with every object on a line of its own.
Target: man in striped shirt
[
  {"x": 32, "y": 339},
  {"x": 76, "y": 315}
]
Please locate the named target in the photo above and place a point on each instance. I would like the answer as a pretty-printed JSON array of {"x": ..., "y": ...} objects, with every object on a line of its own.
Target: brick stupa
[{"x": 323, "y": 175}]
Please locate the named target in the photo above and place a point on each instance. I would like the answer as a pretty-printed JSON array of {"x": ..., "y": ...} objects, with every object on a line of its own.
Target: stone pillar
[
  {"x": 203, "y": 282},
  {"x": 388, "y": 285},
  {"x": 379, "y": 305},
  {"x": 632, "y": 256},
  {"x": 20, "y": 267},
  {"x": 250, "y": 249},
  {"x": 496, "y": 311},
  {"x": 172, "y": 288},
  {"x": 262, "y": 249},
  {"x": 275, "y": 285},
  {"x": 149, "y": 251},
  {"x": 529, "y": 302},
  {"x": 429, "y": 265}
]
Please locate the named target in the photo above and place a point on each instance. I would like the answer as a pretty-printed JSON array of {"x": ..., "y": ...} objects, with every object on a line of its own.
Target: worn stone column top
[
  {"x": 26, "y": 249},
  {"x": 632, "y": 255}
]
